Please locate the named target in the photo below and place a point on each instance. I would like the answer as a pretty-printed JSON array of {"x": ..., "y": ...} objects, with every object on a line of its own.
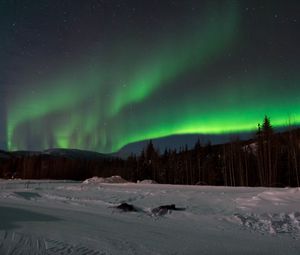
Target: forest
[{"x": 270, "y": 159}]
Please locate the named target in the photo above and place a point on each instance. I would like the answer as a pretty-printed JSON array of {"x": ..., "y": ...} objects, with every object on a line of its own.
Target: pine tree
[
  {"x": 267, "y": 128},
  {"x": 152, "y": 162},
  {"x": 266, "y": 153}
]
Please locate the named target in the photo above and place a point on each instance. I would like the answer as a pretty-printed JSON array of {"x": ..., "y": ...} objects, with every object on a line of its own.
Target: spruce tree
[{"x": 267, "y": 128}]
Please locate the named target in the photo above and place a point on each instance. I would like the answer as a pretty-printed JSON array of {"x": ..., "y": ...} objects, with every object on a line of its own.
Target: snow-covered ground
[{"x": 64, "y": 217}]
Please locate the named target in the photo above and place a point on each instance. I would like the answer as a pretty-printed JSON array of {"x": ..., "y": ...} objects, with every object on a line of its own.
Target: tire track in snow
[{"x": 14, "y": 243}]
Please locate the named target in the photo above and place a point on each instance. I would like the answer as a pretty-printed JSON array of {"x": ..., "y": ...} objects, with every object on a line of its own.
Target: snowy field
[{"x": 64, "y": 217}]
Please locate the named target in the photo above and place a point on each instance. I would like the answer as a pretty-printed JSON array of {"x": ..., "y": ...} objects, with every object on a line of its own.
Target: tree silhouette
[
  {"x": 266, "y": 153},
  {"x": 267, "y": 128}
]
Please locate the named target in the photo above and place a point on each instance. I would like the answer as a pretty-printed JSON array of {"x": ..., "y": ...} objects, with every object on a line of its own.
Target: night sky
[{"x": 99, "y": 74}]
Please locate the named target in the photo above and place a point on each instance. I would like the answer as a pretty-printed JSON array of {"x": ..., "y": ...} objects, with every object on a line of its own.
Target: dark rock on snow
[
  {"x": 164, "y": 209},
  {"x": 126, "y": 207}
]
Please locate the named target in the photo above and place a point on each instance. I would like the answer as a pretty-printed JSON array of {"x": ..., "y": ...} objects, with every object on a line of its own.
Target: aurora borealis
[{"x": 98, "y": 75}]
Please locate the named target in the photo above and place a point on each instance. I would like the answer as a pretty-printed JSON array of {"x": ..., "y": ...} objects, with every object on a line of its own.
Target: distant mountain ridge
[
  {"x": 54, "y": 164},
  {"x": 58, "y": 152},
  {"x": 179, "y": 141}
]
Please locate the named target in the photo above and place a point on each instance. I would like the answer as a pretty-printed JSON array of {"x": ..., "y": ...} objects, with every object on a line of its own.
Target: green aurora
[{"x": 144, "y": 93}]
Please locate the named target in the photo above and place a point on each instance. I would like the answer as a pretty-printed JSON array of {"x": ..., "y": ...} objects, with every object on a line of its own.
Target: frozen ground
[{"x": 61, "y": 217}]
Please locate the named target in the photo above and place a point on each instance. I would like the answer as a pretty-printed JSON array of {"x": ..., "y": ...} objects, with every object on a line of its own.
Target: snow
[
  {"x": 99, "y": 180},
  {"x": 67, "y": 217},
  {"x": 147, "y": 182}
]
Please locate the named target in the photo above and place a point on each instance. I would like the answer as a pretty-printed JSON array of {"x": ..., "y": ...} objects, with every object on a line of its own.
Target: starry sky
[{"x": 100, "y": 74}]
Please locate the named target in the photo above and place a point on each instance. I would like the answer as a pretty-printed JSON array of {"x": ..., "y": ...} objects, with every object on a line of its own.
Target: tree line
[{"x": 268, "y": 159}]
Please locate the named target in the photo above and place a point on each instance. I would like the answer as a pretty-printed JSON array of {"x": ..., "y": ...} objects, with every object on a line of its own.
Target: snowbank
[
  {"x": 147, "y": 182},
  {"x": 98, "y": 180}
]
